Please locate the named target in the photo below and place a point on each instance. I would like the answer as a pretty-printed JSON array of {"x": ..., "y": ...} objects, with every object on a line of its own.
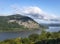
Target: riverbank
[
  {"x": 22, "y": 34},
  {"x": 19, "y": 30},
  {"x": 43, "y": 38}
]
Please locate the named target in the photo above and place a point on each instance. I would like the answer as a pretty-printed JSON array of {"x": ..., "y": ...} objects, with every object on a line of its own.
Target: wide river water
[{"x": 10, "y": 35}]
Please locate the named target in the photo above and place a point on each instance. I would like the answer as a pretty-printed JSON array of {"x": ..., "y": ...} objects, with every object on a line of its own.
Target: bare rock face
[{"x": 23, "y": 20}]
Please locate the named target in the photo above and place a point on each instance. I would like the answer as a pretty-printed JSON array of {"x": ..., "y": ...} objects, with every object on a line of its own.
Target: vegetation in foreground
[{"x": 43, "y": 38}]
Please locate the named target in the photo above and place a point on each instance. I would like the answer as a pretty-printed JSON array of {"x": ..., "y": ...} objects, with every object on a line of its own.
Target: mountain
[
  {"x": 23, "y": 20},
  {"x": 17, "y": 22}
]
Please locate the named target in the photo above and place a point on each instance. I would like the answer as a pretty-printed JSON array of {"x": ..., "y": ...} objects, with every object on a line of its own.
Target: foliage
[{"x": 43, "y": 38}]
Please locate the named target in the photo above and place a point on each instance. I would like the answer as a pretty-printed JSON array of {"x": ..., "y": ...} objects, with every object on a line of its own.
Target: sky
[{"x": 51, "y": 7}]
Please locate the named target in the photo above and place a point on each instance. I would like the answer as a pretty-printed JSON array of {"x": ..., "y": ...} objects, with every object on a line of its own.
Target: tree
[{"x": 34, "y": 37}]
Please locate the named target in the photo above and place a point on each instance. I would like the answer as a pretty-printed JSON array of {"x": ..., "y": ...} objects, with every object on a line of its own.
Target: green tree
[{"x": 34, "y": 37}]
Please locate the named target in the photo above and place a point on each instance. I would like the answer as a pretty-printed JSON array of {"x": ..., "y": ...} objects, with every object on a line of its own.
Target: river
[{"x": 10, "y": 35}]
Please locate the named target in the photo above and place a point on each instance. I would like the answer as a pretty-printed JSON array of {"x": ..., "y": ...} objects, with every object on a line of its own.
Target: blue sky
[{"x": 49, "y": 6}]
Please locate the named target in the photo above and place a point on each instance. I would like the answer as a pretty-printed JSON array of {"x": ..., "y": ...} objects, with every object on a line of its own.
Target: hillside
[{"x": 17, "y": 22}]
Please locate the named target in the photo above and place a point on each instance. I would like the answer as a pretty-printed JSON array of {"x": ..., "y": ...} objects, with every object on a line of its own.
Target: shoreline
[{"x": 20, "y": 30}]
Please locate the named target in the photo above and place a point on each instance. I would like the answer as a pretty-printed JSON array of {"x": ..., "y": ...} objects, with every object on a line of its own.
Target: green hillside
[{"x": 17, "y": 22}]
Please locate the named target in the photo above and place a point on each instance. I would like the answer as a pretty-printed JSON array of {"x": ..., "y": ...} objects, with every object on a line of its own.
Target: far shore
[{"x": 19, "y": 30}]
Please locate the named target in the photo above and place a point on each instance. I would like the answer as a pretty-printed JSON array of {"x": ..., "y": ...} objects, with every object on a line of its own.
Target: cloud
[
  {"x": 33, "y": 11},
  {"x": 26, "y": 9}
]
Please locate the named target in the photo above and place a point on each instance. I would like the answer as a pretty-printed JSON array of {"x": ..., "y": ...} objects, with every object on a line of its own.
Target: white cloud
[
  {"x": 33, "y": 10},
  {"x": 26, "y": 9}
]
